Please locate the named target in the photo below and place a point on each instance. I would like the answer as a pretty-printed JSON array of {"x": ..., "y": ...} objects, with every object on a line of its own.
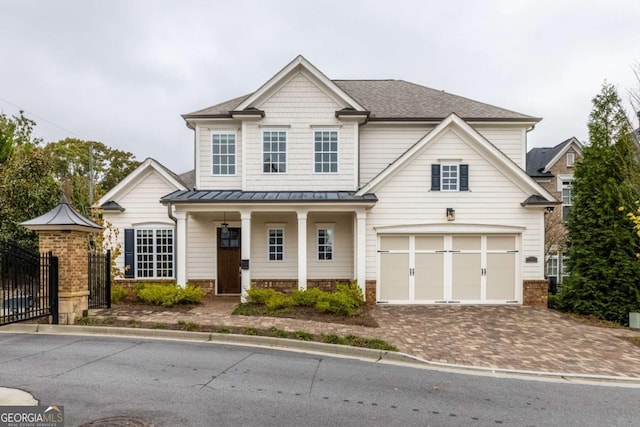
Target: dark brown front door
[{"x": 229, "y": 261}]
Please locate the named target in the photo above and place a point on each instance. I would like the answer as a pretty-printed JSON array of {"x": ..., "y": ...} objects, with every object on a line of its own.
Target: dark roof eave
[
  {"x": 467, "y": 119},
  {"x": 363, "y": 201},
  {"x": 207, "y": 116}
]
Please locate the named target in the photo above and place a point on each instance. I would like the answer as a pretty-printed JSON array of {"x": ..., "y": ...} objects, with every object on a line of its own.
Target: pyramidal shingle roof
[
  {"x": 397, "y": 100},
  {"x": 539, "y": 157}
]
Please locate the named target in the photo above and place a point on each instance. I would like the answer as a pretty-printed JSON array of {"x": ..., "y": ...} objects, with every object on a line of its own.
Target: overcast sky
[{"x": 122, "y": 72}]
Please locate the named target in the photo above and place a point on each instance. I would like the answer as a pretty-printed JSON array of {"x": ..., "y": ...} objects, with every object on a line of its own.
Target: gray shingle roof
[
  {"x": 538, "y": 158},
  {"x": 188, "y": 178},
  {"x": 397, "y": 100},
  {"x": 111, "y": 206},
  {"x": 237, "y": 196}
]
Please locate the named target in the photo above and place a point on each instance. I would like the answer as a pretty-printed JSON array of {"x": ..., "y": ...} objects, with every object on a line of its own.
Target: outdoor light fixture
[
  {"x": 451, "y": 214},
  {"x": 225, "y": 226},
  {"x": 548, "y": 209}
]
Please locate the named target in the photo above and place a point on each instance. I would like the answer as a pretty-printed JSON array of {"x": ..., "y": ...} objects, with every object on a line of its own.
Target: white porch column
[
  {"x": 361, "y": 249},
  {"x": 181, "y": 248},
  {"x": 302, "y": 250},
  {"x": 245, "y": 252}
]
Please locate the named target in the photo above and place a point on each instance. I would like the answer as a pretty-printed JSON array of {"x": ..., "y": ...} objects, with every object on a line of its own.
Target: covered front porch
[{"x": 281, "y": 240}]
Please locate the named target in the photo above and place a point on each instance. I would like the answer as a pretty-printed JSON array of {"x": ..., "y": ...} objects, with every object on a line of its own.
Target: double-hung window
[
  {"x": 223, "y": 148},
  {"x": 276, "y": 244},
  {"x": 449, "y": 177},
  {"x": 274, "y": 151},
  {"x": 325, "y": 151},
  {"x": 566, "y": 198},
  {"x": 325, "y": 243},
  {"x": 154, "y": 252}
]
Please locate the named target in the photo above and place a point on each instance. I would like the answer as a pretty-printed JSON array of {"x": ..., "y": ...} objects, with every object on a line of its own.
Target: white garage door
[{"x": 427, "y": 269}]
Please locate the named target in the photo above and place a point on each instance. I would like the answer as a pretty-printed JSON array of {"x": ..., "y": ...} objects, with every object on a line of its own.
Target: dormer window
[{"x": 571, "y": 158}]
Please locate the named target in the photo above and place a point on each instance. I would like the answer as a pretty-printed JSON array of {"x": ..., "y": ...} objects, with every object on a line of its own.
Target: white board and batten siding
[
  {"x": 492, "y": 200},
  {"x": 300, "y": 107},
  {"x": 142, "y": 207}
]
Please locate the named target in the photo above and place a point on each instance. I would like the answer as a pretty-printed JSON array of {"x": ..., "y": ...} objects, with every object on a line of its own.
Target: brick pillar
[
  {"x": 71, "y": 248},
  {"x": 536, "y": 293}
]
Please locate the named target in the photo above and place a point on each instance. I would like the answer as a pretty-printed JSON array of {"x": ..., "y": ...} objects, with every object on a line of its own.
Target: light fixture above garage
[{"x": 451, "y": 214}]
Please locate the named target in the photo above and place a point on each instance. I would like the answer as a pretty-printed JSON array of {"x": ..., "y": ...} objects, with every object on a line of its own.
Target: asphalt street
[{"x": 180, "y": 383}]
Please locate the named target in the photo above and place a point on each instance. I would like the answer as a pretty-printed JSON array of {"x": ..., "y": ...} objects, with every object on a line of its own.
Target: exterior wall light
[{"x": 451, "y": 214}]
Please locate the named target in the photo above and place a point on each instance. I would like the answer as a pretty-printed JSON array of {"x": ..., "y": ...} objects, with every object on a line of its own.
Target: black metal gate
[
  {"x": 28, "y": 284},
  {"x": 99, "y": 279}
]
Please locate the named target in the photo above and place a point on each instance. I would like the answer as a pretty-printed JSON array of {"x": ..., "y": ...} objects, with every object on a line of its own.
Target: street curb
[{"x": 384, "y": 356}]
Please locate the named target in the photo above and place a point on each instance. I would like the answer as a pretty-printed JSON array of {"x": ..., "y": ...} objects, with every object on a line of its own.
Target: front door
[{"x": 229, "y": 261}]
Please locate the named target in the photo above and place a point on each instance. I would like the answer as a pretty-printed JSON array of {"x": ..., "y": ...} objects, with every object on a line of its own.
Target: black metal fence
[
  {"x": 28, "y": 284},
  {"x": 100, "y": 279}
]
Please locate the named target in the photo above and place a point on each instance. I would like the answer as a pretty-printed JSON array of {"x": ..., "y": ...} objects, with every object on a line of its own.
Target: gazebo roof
[{"x": 62, "y": 217}]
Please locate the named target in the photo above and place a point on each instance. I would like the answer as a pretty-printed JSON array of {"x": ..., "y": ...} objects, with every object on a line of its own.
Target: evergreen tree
[{"x": 604, "y": 275}]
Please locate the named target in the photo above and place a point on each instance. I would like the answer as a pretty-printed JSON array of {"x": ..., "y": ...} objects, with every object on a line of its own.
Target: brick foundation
[
  {"x": 327, "y": 285},
  {"x": 535, "y": 293},
  {"x": 281, "y": 285},
  {"x": 207, "y": 285},
  {"x": 370, "y": 292}
]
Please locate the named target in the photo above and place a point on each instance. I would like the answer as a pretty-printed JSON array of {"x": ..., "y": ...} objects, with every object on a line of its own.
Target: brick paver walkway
[{"x": 506, "y": 337}]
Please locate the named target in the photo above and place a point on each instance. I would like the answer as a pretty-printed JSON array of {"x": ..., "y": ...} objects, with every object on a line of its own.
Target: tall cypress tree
[{"x": 604, "y": 271}]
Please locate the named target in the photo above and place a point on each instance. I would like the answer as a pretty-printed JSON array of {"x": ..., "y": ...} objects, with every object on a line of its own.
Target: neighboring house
[
  {"x": 552, "y": 168},
  {"x": 419, "y": 195}
]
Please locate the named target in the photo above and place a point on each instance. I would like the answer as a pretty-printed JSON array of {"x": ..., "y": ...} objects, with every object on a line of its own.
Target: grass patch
[
  {"x": 303, "y": 336},
  {"x": 109, "y": 320},
  {"x": 187, "y": 326},
  {"x": 85, "y": 321},
  {"x": 278, "y": 333},
  {"x": 223, "y": 330},
  {"x": 250, "y": 331},
  {"x": 133, "y": 323},
  {"x": 159, "y": 326}
]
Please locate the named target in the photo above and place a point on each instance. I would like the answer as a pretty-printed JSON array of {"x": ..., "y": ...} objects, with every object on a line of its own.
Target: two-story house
[
  {"x": 419, "y": 195},
  {"x": 552, "y": 168}
]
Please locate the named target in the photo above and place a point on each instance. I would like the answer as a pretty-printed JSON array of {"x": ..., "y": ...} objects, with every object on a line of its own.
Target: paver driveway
[{"x": 506, "y": 337}]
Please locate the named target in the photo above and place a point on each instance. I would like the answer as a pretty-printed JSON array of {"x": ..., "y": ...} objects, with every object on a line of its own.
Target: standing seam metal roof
[{"x": 237, "y": 196}]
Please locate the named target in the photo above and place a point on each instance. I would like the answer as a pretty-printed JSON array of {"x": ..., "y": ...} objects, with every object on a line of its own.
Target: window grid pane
[
  {"x": 224, "y": 154},
  {"x": 325, "y": 244},
  {"x": 274, "y": 151},
  {"x": 552, "y": 267},
  {"x": 449, "y": 177},
  {"x": 154, "y": 253},
  {"x": 326, "y": 151},
  {"x": 566, "y": 199},
  {"x": 276, "y": 244}
]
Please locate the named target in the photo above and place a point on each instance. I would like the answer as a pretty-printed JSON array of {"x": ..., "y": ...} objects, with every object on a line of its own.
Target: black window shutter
[
  {"x": 464, "y": 177},
  {"x": 435, "y": 177},
  {"x": 129, "y": 253}
]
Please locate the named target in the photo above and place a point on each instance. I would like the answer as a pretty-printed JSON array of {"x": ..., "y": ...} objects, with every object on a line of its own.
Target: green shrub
[
  {"x": 85, "y": 321},
  {"x": 223, "y": 330},
  {"x": 303, "y": 336},
  {"x": 279, "y": 301},
  {"x": 379, "y": 344},
  {"x": 260, "y": 296},
  {"x": 553, "y": 301},
  {"x": 333, "y": 339},
  {"x": 352, "y": 291},
  {"x": 118, "y": 294},
  {"x": 337, "y": 303},
  {"x": 109, "y": 320},
  {"x": 355, "y": 341},
  {"x": 306, "y": 298},
  {"x": 250, "y": 331},
  {"x": 187, "y": 326},
  {"x": 278, "y": 333},
  {"x": 168, "y": 295},
  {"x": 133, "y": 323},
  {"x": 159, "y": 326}
]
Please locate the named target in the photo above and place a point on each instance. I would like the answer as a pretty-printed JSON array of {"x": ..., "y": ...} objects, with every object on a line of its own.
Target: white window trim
[
  {"x": 571, "y": 159},
  {"x": 284, "y": 241},
  {"x": 552, "y": 259},
  {"x": 235, "y": 155},
  {"x": 442, "y": 165},
  {"x": 326, "y": 226},
  {"x": 153, "y": 229},
  {"x": 313, "y": 163},
  {"x": 286, "y": 153}
]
